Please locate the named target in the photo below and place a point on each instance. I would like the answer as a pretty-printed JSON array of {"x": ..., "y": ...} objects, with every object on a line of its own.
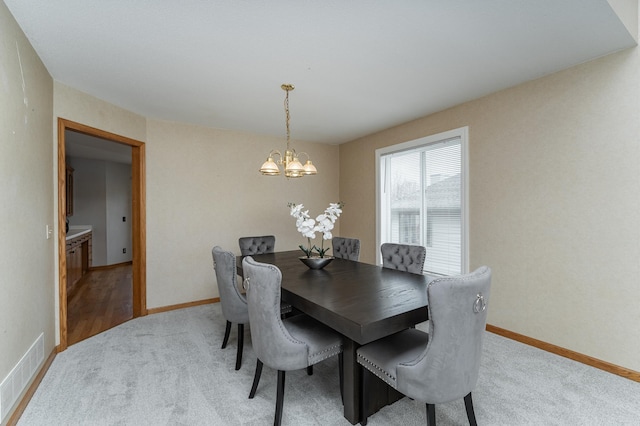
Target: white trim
[{"x": 463, "y": 134}]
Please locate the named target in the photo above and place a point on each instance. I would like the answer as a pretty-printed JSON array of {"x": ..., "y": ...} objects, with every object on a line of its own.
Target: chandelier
[{"x": 289, "y": 161}]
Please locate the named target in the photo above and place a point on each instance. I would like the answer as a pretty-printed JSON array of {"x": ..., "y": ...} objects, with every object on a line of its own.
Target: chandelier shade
[
  {"x": 290, "y": 161},
  {"x": 270, "y": 168}
]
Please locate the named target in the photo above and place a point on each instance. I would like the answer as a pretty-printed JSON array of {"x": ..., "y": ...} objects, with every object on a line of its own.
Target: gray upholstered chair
[
  {"x": 282, "y": 344},
  {"x": 346, "y": 248},
  {"x": 260, "y": 245},
  {"x": 257, "y": 245},
  {"x": 234, "y": 303},
  {"x": 443, "y": 365},
  {"x": 403, "y": 257}
]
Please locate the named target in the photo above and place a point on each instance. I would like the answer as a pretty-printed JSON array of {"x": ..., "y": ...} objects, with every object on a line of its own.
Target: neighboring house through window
[{"x": 421, "y": 189}]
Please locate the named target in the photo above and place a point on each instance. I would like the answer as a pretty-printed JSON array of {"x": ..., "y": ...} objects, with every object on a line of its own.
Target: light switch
[{"x": 49, "y": 231}]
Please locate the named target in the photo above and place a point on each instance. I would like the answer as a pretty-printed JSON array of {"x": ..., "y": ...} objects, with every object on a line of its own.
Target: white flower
[
  {"x": 296, "y": 211},
  {"x": 323, "y": 223},
  {"x": 334, "y": 209},
  {"x": 307, "y": 228}
]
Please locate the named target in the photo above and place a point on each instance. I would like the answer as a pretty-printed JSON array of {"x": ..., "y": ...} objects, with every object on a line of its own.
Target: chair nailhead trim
[
  {"x": 329, "y": 352},
  {"x": 375, "y": 369}
]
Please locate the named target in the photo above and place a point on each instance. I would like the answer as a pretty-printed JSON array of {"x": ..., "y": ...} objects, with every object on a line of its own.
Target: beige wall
[
  {"x": 74, "y": 105},
  {"x": 554, "y": 203},
  {"x": 204, "y": 189},
  {"x": 27, "y": 290}
]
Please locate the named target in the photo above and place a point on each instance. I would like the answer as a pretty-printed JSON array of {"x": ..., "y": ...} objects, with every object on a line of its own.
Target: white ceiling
[
  {"x": 358, "y": 66},
  {"x": 85, "y": 146}
]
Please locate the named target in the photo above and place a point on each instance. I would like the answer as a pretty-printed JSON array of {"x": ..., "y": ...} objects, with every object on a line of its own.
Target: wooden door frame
[{"x": 138, "y": 224}]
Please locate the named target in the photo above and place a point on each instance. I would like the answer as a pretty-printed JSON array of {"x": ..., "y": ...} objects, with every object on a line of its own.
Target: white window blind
[{"x": 422, "y": 199}]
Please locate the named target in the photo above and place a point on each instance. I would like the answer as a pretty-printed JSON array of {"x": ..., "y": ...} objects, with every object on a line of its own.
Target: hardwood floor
[{"x": 102, "y": 299}]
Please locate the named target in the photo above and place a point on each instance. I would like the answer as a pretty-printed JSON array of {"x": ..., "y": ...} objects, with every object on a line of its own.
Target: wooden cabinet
[
  {"x": 79, "y": 254},
  {"x": 69, "y": 191},
  {"x": 74, "y": 266}
]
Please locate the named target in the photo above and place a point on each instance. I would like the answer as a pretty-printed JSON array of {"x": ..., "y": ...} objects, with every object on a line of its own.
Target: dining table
[{"x": 361, "y": 301}]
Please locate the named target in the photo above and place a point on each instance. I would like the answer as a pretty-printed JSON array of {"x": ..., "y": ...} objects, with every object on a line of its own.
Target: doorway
[{"x": 138, "y": 219}]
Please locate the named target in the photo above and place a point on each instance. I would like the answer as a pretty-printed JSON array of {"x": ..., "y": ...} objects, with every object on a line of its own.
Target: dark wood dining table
[{"x": 363, "y": 302}]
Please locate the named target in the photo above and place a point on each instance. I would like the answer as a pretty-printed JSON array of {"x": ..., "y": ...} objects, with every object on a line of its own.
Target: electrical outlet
[
  {"x": 124, "y": 218},
  {"x": 124, "y": 250}
]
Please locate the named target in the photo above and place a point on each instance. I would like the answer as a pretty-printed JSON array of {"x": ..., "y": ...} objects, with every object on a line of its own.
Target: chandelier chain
[{"x": 286, "y": 110}]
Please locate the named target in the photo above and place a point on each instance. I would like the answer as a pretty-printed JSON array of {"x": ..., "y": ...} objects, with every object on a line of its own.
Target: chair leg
[
  {"x": 471, "y": 415},
  {"x": 240, "y": 346},
  {"x": 431, "y": 415},
  {"x": 256, "y": 379},
  {"x": 279, "y": 398},
  {"x": 227, "y": 331},
  {"x": 310, "y": 370}
]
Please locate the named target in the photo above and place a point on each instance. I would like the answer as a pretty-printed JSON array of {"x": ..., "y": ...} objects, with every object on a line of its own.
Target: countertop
[{"x": 77, "y": 230}]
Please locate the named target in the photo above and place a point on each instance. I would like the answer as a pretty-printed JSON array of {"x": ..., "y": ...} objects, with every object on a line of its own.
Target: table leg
[
  {"x": 379, "y": 393},
  {"x": 352, "y": 391}
]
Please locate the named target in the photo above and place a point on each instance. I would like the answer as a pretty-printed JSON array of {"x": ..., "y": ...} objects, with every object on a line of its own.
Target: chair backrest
[
  {"x": 403, "y": 257},
  {"x": 234, "y": 303},
  {"x": 448, "y": 368},
  {"x": 271, "y": 341},
  {"x": 257, "y": 245},
  {"x": 346, "y": 248}
]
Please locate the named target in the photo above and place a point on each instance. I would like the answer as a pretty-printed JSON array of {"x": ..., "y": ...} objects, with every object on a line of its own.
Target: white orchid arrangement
[{"x": 322, "y": 223}]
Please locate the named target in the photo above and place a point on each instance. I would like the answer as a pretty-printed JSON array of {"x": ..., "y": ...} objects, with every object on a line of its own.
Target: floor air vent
[{"x": 18, "y": 379}]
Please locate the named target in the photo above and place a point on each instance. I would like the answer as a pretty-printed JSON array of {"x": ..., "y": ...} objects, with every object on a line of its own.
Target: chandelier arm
[{"x": 275, "y": 152}]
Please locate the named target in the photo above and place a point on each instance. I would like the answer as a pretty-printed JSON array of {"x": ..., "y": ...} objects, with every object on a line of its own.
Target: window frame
[{"x": 463, "y": 134}]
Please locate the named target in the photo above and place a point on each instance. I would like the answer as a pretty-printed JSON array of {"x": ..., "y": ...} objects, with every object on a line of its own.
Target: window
[{"x": 421, "y": 190}]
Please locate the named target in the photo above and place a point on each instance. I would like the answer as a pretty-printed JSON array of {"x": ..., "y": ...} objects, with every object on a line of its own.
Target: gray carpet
[{"x": 168, "y": 369}]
